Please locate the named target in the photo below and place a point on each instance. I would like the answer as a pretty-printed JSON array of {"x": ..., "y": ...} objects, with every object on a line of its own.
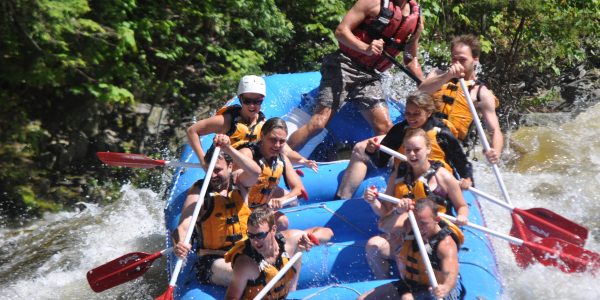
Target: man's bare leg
[
  {"x": 378, "y": 252},
  {"x": 356, "y": 171},
  {"x": 317, "y": 122},
  {"x": 379, "y": 119}
]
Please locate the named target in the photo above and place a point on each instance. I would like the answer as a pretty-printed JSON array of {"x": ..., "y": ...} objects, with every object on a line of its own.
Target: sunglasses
[
  {"x": 259, "y": 235},
  {"x": 247, "y": 101}
]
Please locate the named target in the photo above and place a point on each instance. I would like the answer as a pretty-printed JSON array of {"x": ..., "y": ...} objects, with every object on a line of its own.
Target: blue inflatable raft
[{"x": 337, "y": 270}]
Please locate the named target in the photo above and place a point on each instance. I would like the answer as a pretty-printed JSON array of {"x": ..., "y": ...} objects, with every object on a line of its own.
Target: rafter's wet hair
[
  {"x": 274, "y": 123},
  {"x": 470, "y": 41},
  {"x": 262, "y": 214},
  {"x": 429, "y": 201},
  {"x": 422, "y": 100},
  {"x": 412, "y": 132},
  {"x": 210, "y": 152}
]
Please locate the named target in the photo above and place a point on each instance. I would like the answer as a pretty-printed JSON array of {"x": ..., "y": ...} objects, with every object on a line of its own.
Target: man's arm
[
  {"x": 204, "y": 127},
  {"x": 449, "y": 267},
  {"x": 437, "y": 78},
  {"x": 193, "y": 196},
  {"x": 361, "y": 10},
  {"x": 487, "y": 108},
  {"x": 244, "y": 269},
  {"x": 243, "y": 159}
]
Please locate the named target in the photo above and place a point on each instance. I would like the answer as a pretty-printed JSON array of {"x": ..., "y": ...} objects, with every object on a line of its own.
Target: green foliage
[
  {"x": 519, "y": 35},
  {"x": 75, "y": 67}
]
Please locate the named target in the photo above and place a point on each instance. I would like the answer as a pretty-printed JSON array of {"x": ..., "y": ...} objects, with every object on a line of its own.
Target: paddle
[
  {"x": 283, "y": 270},
  {"x": 168, "y": 294},
  {"x": 567, "y": 257},
  {"x": 286, "y": 202},
  {"x": 540, "y": 220},
  {"x": 139, "y": 161},
  {"x": 484, "y": 141},
  {"x": 122, "y": 269},
  {"x": 418, "y": 238},
  {"x": 543, "y": 222},
  {"x": 577, "y": 235},
  {"x": 403, "y": 68}
]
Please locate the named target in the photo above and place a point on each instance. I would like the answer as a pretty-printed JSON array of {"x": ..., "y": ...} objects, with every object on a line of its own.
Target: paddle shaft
[
  {"x": 280, "y": 274},
  {"x": 198, "y": 206},
  {"x": 182, "y": 164},
  {"x": 418, "y": 238},
  {"x": 403, "y": 68},
  {"x": 507, "y": 237},
  {"x": 484, "y": 141},
  {"x": 422, "y": 250},
  {"x": 287, "y": 202}
]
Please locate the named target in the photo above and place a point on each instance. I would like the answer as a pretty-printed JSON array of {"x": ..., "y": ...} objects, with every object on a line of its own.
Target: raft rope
[{"x": 328, "y": 287}]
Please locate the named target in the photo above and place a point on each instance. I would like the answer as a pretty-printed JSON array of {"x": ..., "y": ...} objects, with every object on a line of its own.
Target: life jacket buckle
[{"x": 448, "y": 99}]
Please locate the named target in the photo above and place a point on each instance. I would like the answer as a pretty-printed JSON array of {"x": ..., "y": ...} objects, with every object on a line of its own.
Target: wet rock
[
  {"x": 545, "y": 119},
  {"x": 78, "y": 146},
  {"x": 143, "y": 108},
  {"x": 108, "y": 140},
  {"x": 581, "y": 93}
]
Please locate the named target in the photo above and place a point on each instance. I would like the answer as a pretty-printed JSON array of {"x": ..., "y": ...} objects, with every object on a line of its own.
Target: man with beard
[{"x": 224, "y": 215}]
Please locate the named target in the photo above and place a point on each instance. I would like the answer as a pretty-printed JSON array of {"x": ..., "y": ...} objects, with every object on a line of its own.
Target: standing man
[
  {"x": 370, "y": 28},
  {"x": 442, "y": 245},
  {"x": 451, "y": 101},
  {"x": 223, "y": 216}
]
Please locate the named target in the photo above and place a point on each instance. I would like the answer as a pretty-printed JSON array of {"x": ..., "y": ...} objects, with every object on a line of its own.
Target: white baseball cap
[{"x": 252, "y": 84}]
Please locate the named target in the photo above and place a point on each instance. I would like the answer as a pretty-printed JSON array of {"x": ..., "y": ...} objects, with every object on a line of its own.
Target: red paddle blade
[
  {"x": 120, "y": 270},
  {"x": 167, "y": 295},
  {"x": 523, "y": 255},
  {"x": 556, "y": 225},
  {"x": 128, "y": 160},
  {"x": 567, "y": 257}
]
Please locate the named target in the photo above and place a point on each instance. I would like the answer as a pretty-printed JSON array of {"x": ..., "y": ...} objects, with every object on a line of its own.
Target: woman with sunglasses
[
  {"x": 242, "y": 123},
  {"x": 418, "y": 113}
]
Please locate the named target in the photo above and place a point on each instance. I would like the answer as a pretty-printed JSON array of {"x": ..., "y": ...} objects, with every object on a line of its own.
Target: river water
[{"x": 557, "y": 168}]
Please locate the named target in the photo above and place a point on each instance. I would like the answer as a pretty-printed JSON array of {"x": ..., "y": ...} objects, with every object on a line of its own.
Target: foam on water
[
  {"x": 52, "y": 256},
  {"x": 559, "y": 171}
]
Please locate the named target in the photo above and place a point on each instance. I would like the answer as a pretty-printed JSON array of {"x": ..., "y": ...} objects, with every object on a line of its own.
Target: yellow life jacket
[
  {"x": 414, "y": 272},
  {"x": 267, "y": 271},
  {"x": 239, "y": 132},
  {"x": 267, "y": 180},
  {"x": 407, "y": 187},
  {"x": 224, "y": 222},
  {"x": 450, "y": 100},
  {"x": 437, "y": 153}
]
